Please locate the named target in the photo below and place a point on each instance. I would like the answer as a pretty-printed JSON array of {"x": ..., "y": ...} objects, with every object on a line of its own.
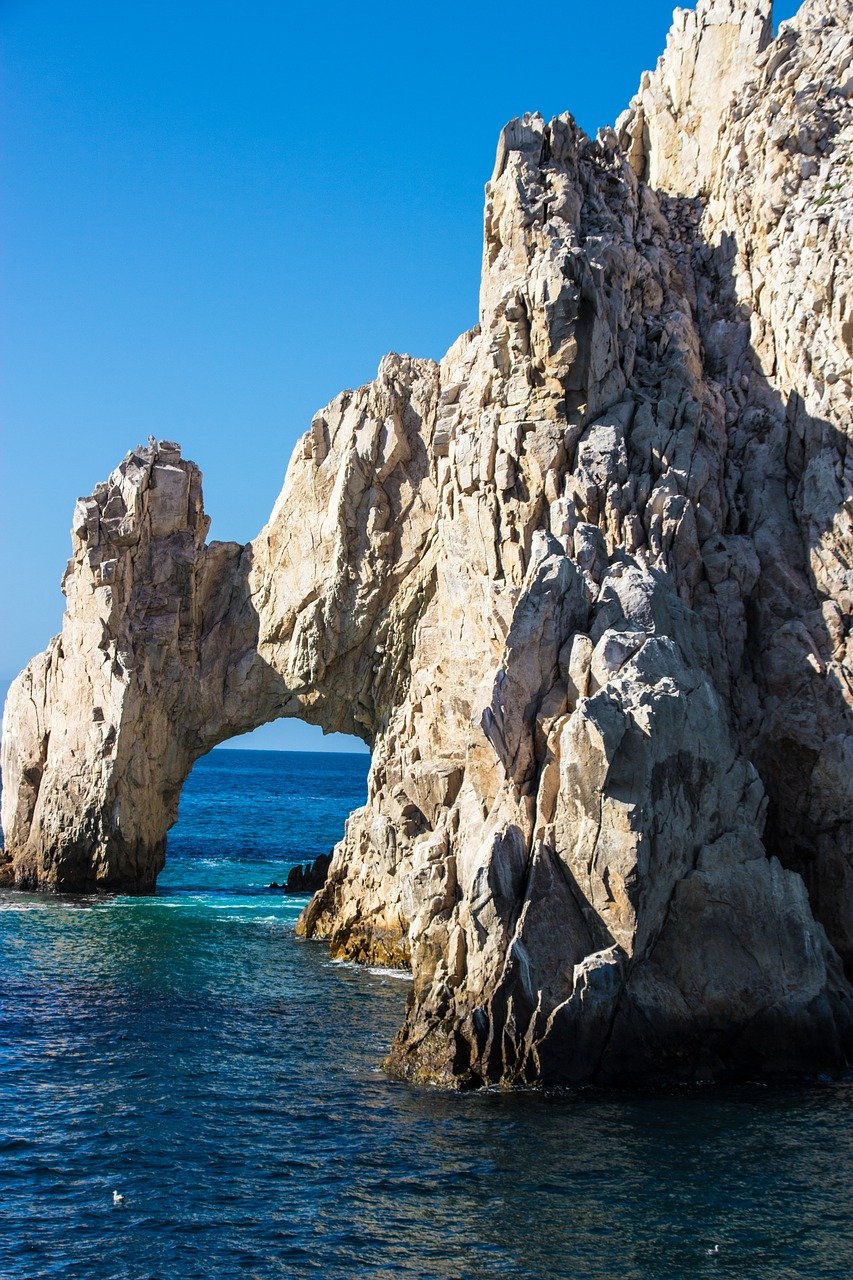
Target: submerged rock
[{"x": 584, "y": 587}]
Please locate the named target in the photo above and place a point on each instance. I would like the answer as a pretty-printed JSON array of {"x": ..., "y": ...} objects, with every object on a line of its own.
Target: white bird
[
  {"x": 118, "y": 1198},
  {"x": 712, "y": 1252}
]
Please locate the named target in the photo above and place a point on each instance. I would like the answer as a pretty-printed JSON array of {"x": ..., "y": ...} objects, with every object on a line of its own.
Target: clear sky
[{"x": 218, "y": 216}]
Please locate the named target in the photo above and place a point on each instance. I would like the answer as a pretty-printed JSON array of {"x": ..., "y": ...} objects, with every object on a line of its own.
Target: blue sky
[{"x": 216, "y": 217}]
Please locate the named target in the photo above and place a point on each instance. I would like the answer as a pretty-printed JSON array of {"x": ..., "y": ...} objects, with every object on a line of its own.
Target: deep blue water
[{"x": 188, "y": 1051}]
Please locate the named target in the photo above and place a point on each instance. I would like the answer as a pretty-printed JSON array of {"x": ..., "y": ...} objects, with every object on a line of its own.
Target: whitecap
[
  {"x": 231, "y": 906},
  {"x": 402, "y": 975},
  {"x": 240, "y": 919}
]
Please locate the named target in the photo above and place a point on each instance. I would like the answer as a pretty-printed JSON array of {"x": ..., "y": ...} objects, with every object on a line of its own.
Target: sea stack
[{"x": 584, "y": 587}]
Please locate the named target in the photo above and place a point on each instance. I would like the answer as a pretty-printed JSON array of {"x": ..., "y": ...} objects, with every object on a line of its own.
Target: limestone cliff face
[{"x": 585, "y": 588}]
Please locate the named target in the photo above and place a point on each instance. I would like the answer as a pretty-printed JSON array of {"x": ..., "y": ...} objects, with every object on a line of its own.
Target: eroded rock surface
[{"x": 585, "y": 588}]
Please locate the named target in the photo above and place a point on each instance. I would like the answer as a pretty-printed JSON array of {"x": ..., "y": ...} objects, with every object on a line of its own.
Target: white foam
[
  {"x": 232, "y": 906},
  {"x": 251, "y": 919},
  {"x": 402, "y": 975}
]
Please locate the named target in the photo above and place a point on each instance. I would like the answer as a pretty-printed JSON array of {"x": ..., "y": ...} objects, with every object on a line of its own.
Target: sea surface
[{"x": 188, "y": 1052}]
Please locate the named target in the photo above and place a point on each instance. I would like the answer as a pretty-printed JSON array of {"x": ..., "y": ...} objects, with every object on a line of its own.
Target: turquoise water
[{"x": 187, "y": 1051}]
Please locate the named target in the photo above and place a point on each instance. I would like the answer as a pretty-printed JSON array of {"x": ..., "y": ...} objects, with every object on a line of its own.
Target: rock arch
[
  {"x": 570, "y": 584},
  {"x": 171, "y": 645}
]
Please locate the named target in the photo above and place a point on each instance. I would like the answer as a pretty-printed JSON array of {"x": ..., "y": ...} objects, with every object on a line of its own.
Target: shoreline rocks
[{"x": 308, "y": 877}]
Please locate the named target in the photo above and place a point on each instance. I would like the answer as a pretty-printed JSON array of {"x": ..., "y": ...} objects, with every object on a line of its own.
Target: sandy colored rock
[{"x": 584, "y": 586}]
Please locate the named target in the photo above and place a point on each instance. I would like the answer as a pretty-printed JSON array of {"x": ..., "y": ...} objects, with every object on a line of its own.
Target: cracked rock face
[{"x": 584, "y": 586}]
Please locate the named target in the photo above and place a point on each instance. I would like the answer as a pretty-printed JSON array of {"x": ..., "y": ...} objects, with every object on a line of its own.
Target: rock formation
[
  {"x": 584, "y": 587},
  {"x": 307, "y": 878}
]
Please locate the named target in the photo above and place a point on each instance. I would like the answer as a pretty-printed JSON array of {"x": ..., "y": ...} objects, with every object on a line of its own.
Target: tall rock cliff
[{"x": 585, "y": 588}]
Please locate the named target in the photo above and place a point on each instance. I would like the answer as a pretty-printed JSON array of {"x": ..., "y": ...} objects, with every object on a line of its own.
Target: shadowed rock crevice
[{"x": 584, "y": 587}]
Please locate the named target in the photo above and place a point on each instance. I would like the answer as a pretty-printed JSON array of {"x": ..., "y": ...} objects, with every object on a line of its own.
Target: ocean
[{"x": 186, "y": 1051}]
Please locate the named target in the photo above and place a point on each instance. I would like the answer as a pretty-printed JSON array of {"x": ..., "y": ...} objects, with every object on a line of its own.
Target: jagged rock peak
[
  {"x": 670, "y": 131},
  {"x": 585, "y": 587}
]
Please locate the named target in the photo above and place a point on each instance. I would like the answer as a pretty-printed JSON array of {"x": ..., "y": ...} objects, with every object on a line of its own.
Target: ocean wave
[
  {"x": 241, "y": 919},
  {"x": 248, "y": 906},
  {"x": 402, "y": 975}
]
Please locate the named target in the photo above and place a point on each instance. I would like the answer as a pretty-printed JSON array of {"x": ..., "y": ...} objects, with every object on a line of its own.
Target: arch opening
[{"x": 257, "y": 820}]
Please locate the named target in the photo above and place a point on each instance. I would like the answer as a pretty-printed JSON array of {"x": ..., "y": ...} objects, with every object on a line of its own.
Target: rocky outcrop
[
  {"x": 584, "y": 587},
  {"x": 307, "y": 878},
  {"x": 671, "y": 131}
]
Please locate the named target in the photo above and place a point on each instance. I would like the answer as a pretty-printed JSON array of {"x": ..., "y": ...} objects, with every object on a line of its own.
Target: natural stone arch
[
  {"x": 170, "y": 645},
  {"x": 528, "y": 577}
]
